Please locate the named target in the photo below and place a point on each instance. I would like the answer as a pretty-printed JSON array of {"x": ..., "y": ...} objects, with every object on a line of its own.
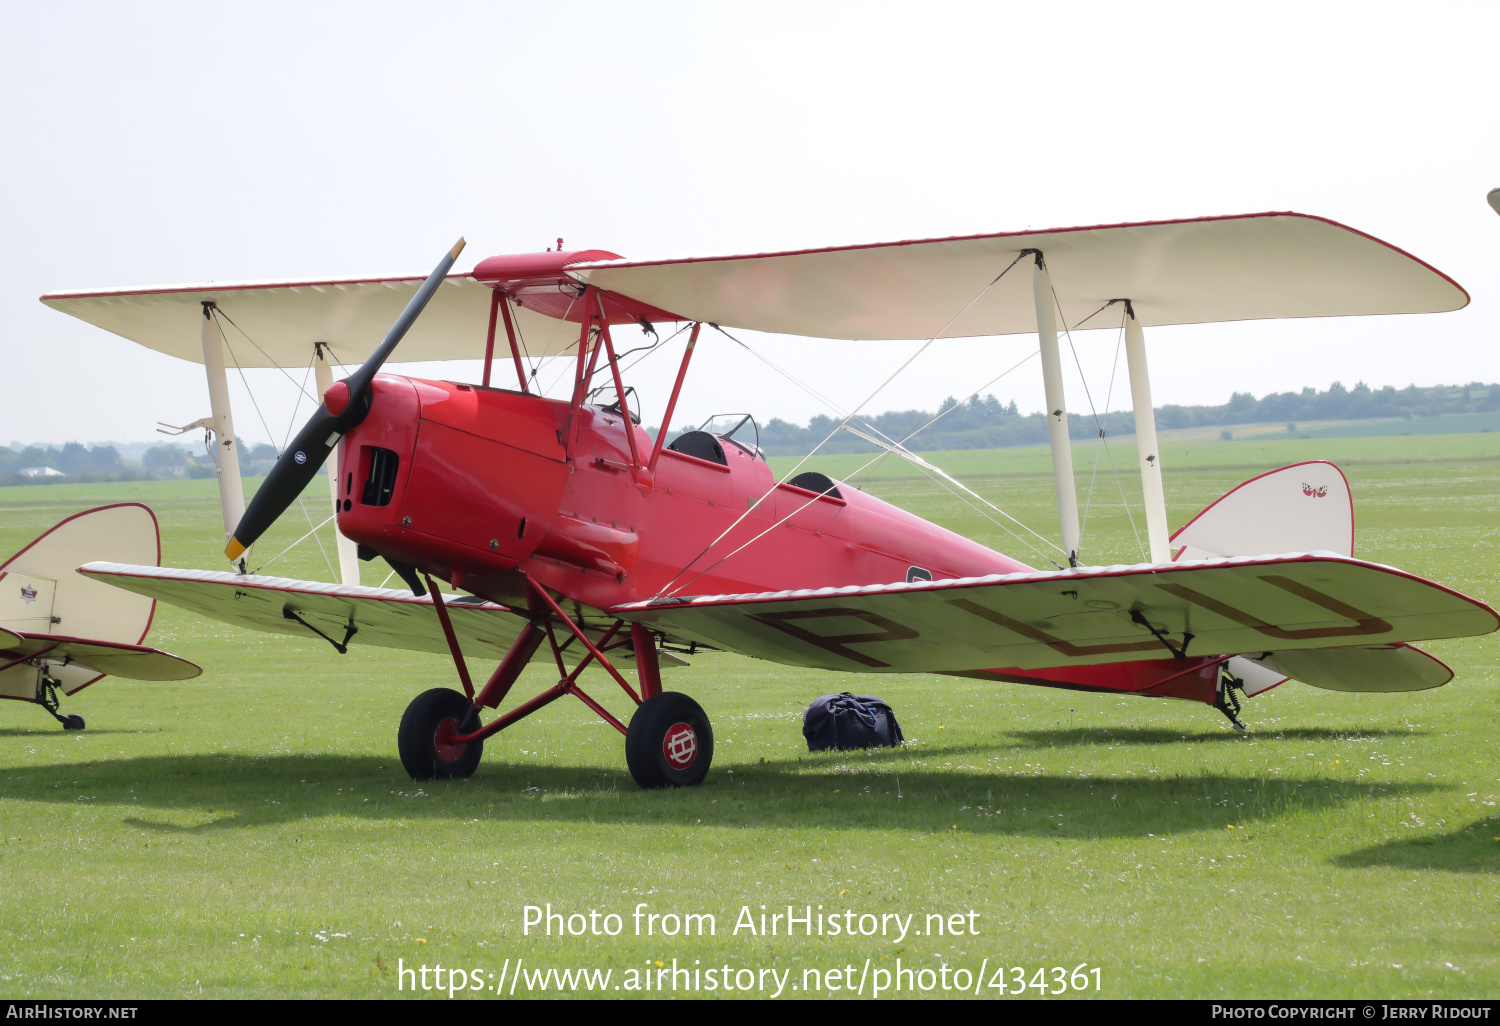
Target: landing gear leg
[
  {"x": 668, "y": 743},
  {"x": 1225, "y": 699},
  {"x": 46, "y": 697}
]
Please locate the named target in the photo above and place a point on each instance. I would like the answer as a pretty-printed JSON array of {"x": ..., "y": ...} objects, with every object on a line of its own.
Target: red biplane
[{"x": 573, "y": 536}]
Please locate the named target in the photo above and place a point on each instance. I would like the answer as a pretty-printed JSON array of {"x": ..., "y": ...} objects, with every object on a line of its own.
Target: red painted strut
[{"x": 520, "y": 654}]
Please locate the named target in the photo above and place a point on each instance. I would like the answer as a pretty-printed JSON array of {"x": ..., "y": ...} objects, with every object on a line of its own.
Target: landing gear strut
[
  {"x": 669, "y": 742},
  {"x": 1225, "y": 699},
  {"x": 46, "y": 697}
]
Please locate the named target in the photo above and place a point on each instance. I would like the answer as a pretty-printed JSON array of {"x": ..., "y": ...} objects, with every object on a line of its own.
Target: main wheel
[
  {"x": 669, "y": 742},
  {"x": 425, "y": 736}
]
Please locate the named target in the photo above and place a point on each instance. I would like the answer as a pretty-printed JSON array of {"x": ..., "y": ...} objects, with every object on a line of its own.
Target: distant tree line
[
  {"x": 983, "y": 422},
  {"x": 78, "y": 462},
  {"x": 1338, "y": 403}
]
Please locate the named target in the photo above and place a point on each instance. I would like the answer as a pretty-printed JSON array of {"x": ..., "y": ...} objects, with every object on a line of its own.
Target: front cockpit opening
[
  {"x": 631, "y": 402},
  {"x": 707, "y": 441},
  {"x": 700, "y": 444}
]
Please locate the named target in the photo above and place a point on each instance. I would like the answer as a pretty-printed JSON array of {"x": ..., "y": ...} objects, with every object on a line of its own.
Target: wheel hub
[
  {"x": 680, "y": 746},
  {"x": 442, "y": 740}
]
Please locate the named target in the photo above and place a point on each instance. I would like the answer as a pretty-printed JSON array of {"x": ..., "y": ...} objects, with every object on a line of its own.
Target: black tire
[
  {"x": 669, "y": 742},
  {"x": 419, "y": 739},
  {"x": 72, "y": 721}
]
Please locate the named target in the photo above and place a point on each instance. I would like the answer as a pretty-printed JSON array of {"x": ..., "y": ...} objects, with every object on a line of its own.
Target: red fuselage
[
  {"x": 477, "y": 486},
  {"x": 471, "y": 484}
]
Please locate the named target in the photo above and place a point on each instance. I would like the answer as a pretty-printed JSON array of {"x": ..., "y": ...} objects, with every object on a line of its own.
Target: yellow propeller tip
[
  {"x": 235, "y": 550},
  {"x": 458, "y": 247}
]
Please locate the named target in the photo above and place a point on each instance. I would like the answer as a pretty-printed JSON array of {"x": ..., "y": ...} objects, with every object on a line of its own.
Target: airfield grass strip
[{"x": 251, "y": 834}]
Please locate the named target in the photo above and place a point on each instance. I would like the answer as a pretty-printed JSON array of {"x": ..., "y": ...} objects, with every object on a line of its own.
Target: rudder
[
  {"x": 41, "y": 594},
  {"x": 1305, "y": 507}
]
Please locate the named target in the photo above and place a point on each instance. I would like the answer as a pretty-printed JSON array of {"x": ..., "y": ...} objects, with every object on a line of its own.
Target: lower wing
[
  {"x": 1082, "y": 616},
  {"x": 339, "y": 613}
]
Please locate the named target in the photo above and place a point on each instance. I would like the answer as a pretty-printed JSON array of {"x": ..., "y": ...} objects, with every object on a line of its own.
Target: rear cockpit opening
[{"x": 820, "y": 483}]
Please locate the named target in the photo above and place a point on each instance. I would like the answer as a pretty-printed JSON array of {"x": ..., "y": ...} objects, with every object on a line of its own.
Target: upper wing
[
  {"x": 1201, "y": 270},
  {"x": 275, "y": 323},
  {"x": 1079, "y": 616},
  {"x": 379, "y": 616},
  {"x": 285, "y": 318}
]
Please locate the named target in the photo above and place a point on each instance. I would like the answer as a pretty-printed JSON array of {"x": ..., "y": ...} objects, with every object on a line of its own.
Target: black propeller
[{"x": 347, "y": 405}]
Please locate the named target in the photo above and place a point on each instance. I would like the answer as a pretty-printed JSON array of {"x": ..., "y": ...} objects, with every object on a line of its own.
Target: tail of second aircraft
[{"x": 61, "y": 631}]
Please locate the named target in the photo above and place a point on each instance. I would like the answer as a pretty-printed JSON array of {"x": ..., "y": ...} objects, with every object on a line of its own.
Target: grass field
[{"x": 251, "y": 833}]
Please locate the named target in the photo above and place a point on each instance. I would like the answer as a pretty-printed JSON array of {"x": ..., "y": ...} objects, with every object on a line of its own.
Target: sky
[{"x": 160, "y": 143}]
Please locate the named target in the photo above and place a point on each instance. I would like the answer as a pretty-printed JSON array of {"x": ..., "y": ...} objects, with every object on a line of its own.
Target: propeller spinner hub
[{"x": 336, "y": 399}]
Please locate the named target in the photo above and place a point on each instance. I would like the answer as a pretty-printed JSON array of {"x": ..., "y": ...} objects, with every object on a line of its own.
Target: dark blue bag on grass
[{"x": 850, "y": 721}]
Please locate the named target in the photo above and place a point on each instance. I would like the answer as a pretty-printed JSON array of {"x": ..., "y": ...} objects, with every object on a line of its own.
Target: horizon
[{"x": 247, "y": 444}]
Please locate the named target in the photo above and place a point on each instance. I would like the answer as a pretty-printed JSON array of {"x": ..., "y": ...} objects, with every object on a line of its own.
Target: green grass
[
  {"x": 251, "y": 833},
  {"x": 1453, "y": 424},
  {"x": 1178, "y": 454}
]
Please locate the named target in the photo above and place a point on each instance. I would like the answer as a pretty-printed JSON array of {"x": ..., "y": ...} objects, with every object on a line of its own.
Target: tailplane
[{"x": 1376, "y": 668}]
